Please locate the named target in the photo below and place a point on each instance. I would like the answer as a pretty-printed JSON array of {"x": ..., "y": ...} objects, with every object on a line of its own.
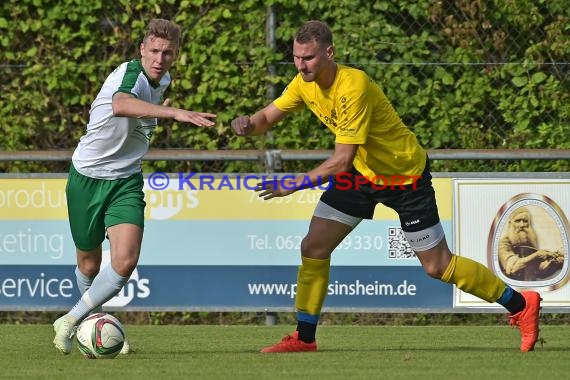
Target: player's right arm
[
  {"x": 259, "y": 123},
  {"x": 127, "y": 105}
]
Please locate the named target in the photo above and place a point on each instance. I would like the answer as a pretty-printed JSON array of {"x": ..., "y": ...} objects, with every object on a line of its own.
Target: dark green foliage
[{"x": 462, "y": 74}]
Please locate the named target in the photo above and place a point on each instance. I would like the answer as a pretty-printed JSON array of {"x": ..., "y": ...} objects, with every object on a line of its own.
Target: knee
[
  {"x": 434, "y": 271},
  {"x": 313, "y": 250},
  {"x": 124, "y": 267},
  {"x": 89, "y": 268},
  {"x": 306, "y": 247},
  {"x": 89, "y": 262},
  {"x": 435, "y": 263}
]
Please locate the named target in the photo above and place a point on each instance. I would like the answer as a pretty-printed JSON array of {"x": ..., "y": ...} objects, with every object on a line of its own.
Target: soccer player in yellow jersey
[{"x": 371, "y": 142}]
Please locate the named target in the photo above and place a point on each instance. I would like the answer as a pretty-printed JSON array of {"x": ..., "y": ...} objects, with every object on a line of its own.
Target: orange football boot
[
  {"x": 291, "y": 343},
  {"x": 527, "y": 320}
]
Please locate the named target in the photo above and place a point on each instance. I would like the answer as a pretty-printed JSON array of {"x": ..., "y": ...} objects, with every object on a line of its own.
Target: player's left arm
[{"x": 340, "y": 161}]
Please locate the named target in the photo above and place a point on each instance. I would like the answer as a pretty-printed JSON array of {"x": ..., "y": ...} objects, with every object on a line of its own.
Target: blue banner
[{"x": 219, "y": 288}]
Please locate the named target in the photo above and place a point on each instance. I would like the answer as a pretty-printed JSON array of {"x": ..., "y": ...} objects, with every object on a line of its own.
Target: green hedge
[{"x": 462, "y": 74}]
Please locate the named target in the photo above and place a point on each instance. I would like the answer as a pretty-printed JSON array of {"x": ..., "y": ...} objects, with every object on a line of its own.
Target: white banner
[{"x": 519, "y": 229}]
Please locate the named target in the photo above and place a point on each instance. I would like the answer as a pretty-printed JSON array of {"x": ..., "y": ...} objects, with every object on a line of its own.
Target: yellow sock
[
  {"x": 312, "y": 284},
  {"x": 473, "y": 278}
]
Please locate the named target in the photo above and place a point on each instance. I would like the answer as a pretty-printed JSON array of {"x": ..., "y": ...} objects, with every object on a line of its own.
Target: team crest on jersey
[
  {"x": 145, "y": 131},
  {"x": 331, "y": 120}
]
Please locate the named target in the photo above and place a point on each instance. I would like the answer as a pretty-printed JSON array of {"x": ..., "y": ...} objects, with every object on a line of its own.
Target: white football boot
[
  {"x": 126, "y": 348},
  {"x": 64, "y": 328}
]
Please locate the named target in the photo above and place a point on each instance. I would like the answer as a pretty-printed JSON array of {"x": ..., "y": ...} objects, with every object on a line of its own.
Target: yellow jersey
[{"x": 358, "y": 112}]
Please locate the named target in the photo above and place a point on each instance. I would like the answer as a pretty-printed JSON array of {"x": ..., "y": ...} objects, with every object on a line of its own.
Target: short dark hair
[
  {"x": 315, "y": 30},
  {"x": 164, "y": 29}
]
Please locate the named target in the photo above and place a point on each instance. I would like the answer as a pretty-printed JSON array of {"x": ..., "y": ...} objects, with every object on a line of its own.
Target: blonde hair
[{"x": 164, "y": 29}]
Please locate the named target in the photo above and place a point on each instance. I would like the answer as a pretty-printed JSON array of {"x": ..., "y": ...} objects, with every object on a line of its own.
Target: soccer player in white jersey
[{"x": 105, "y": 185}]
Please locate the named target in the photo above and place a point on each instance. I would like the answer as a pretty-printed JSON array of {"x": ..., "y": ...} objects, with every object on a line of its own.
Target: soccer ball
[{"x": 100, "y": 336}]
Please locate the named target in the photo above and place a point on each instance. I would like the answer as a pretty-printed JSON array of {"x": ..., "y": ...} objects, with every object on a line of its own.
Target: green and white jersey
[{"x": 113, "y": 146}]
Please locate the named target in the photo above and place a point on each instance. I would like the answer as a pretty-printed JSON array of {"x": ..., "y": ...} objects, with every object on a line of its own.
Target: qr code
[{"x": 398, "y": 246}]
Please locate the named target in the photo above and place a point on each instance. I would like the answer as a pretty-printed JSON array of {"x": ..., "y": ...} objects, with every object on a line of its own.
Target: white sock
[
  {"x": 83, "y": 282},
  {"x": 104, "y": 287}
]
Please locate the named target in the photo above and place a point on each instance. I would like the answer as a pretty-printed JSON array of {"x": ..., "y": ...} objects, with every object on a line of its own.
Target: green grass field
[{"x": 345, "y": 352}]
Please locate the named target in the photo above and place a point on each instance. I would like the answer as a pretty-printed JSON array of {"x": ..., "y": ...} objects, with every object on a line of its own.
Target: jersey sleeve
[
  {"x": 291, "y": 98},
  {"x": 130, "y": 83}
]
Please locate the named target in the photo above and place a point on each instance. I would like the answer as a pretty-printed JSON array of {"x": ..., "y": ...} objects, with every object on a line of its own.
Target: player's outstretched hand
[
  {"x": 273, "y": 188},
  {"x": 241, "y": 126},
  {"x": 201, "y": 119}
]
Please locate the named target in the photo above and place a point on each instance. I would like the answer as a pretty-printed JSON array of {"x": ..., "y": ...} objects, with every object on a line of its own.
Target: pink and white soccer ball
[{"x": 100, "y": 336}]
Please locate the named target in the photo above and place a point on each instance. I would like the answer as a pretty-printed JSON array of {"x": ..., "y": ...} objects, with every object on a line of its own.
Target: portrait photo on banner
[{"x": 520, "y": 232}]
